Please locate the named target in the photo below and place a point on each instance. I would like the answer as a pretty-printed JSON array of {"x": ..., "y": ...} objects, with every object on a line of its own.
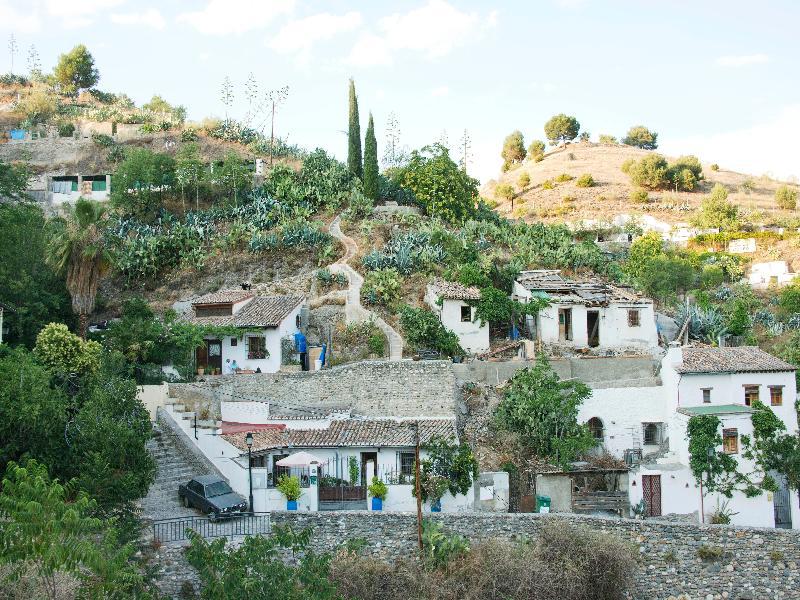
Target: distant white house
[
  {"x": 589, "y": 314},
  {"x": 451, "y": 301},
  {"x": 773, "y": 273},
  {"x": 264, "y": 321},
  {"x": 68, "y": 188},
  {"x": 647, "y": 426}
]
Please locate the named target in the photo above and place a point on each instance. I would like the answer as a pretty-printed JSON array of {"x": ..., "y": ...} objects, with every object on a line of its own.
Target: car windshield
[{"x": 218, "y": 488}]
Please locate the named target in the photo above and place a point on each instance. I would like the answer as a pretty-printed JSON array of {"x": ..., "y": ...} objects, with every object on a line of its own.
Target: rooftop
[
  {"x": 261, "y": 311},
  {"x": 715, "y": 409},
  {"x": 739, "y": 359},
  {"x": 451, "y": 290},
  {"x": 370, "y": 433},
  {"x": 591, "y": 292},
  {"x": 223, "y": 297}
]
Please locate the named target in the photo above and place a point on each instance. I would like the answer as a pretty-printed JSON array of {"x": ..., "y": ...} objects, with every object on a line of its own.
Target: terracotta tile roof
[
  {"x": 452, "y": 290},
  {"x": 368, "y": 433},
  {"x": 261, "y": 311},
  {"x": 223, "y": 297},
  {"x": 592, "y": 292},
  {"x": 739, "y": 359}
]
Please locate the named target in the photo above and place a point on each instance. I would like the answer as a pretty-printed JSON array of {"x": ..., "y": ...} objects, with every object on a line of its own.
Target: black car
[{"x": 212, "y": 495}]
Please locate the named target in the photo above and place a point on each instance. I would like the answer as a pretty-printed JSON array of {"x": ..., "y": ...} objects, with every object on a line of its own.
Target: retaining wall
[{"x": 755, "y": 563}]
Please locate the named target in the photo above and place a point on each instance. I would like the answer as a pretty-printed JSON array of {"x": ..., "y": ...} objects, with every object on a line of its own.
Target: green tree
[
  {"x": 189, "y": 171},
  {"x": 354, "y": 163},
  {"x": 14, "y": 180},
  {"x": 789, "y": 298},
  {"x": 371, "y": 171},
  {"x": 786, "y": 197},
  {"x": 75, "y": 70},
  {"x": 641, "y": 137},
  {"x": 513, "y": 150},
  {"x": 504, "y": 191},
  {"x": 495, "y": 306},
  {"x": 440, "y": 186},
  {"x": 424, "y": 331},
  {"x": 643, "y": 249},
  {"x": 27, "y": 283},
  {"x": 446, "y": 468},
  {"x": 65, "y": 353},
  {"x": 717, "y": 212},
  {"x": 651, "y": 172},
  {"x": 664, "y": 277},
  {"x": 561, "y": 128},
  {"x": 685, "y": 172},
  {"x": 79, "y": 252},
  {"x": 234, "y": 175},
  {"x": 140, "y": 181},
  {"x": 543, "y": 410},
  {"x": 524, "y": 180},
  {"x": 536, "y": 150}
]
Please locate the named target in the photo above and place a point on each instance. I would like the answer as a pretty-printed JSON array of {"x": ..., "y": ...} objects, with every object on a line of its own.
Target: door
[
  {"x": 651, "y": 492},
  {"x": 371, "y": 459},
  {"x": 564, "y": 324},
  {"x": 593, "y": 327},
  {"x": 214, "y": 353},
  {"x": 783, "y": 510}
]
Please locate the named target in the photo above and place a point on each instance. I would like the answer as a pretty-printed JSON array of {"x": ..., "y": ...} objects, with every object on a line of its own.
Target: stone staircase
[{"x": 354, "y": 312}]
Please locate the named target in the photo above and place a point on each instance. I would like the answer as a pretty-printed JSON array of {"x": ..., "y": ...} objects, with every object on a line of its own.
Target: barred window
[
  {"x": 406, "y": 460},
  {"x": 633, "y": 318}
]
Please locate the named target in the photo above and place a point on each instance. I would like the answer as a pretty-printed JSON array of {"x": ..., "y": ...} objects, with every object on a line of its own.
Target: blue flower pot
[
  {"x": 291, "y": 505},
  {"x": 436, "y": 506},
  {"x": 377, "y": 504}
]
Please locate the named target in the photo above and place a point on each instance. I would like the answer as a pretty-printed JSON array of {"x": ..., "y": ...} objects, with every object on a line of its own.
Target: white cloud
[
  {"x": 766, "y": 147},
  {"x": 79, "y": 13},
  {"x": 742, "y": 60},
  {"x": 25, "y": 21},
  {"x": 223, "y": 17},
  {"x": 440, "y": 91},
  {"x": 300, "y": 35},
  {"x": 433, "y": 30},
  {"x": 148, "y": 18}
]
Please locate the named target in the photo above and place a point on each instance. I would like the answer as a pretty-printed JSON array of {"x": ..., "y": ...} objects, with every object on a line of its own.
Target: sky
[{"x": 718, "y": 79}]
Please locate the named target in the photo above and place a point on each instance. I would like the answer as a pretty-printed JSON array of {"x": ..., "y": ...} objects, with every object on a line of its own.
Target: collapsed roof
[{"x": 591, "y": 292}]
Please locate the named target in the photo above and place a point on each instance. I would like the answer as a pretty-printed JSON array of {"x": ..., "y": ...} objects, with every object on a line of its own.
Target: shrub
[
  {"x": 639, "y": 196},
  {"x": 423, "y": 330},
  {"x": 376, "y": 343},
  {"x": 585, "y": 181},
  {"x": 439, "y": 548},
  {"x": 65, "y": 352},
  {"x": 717, "y": 212},
  {"x": 786, "y": 197},
  {"x": 585, "y": 136},
  {"x": 650, "y": 172},
  {"x": 714, "y": 167},
  {"x": 378, "y": 489},
  {"x": 607, "y": 139},
  {"x": 38, "y": 105},
  {"x": 709, "y": 553},
  {"x": 641, "y": 137},
  {"x": 548, "y": 184},
  {"x": 189, "y": 135},
  {"x": 536, "y": 150},
  {"x": 381, "y": 286},
  {"x": 568, "y": 199},
  {"x": 103, "y": 140},
  {"x": 66, "y": 129},
  {"x": 504, "y": 191},
  {"x": 359, "y": 206},
  {"x": 524, "y": 180},
  {"x": 289, "y": 486},
  {"x": 747, "y": 186},
  {"x": 564, "y": 177}
]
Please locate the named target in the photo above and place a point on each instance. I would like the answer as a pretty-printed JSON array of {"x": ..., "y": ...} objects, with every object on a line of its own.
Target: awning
[{"x": 299, "y": 459}]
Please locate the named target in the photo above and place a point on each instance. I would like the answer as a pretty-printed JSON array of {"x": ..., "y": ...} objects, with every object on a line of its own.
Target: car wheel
[{"x": 186, "y": 502}]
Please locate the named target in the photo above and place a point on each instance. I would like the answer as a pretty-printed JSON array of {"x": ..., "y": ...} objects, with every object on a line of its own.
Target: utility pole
[
  {"x": 417, "y": 478},
  {"x": 275, "y": 98}
]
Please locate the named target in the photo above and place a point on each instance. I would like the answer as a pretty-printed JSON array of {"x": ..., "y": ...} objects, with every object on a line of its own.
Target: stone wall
[
  {"x": 754, "y": 564},
  {"x": 369, "y": 388}
]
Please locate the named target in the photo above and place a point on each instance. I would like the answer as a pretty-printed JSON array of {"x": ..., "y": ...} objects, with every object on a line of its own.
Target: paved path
[{"x": 354, "y": 312}]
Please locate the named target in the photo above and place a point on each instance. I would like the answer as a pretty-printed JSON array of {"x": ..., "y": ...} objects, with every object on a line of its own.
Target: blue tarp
[
  {"x": 18, "y": 134},
  {"x": 300, "y": 342}
]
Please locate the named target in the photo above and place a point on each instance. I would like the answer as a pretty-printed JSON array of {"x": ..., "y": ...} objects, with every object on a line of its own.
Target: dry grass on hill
[{"x": 610, "y": 196}]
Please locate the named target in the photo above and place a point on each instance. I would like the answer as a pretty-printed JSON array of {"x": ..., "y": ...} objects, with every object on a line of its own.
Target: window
[
  {"x": 277, "y": 471},
  {"x": 234, "y": 342},
  {"x": 750, "y": 394},
  {"x": 406, "y": 463},
  {"x": 256, "y": 347},
  {"x": 259, "y": 462},
  {"x": 730, "y": 441},
  {"x": 651, "y": 433},
  {"x": 466, "y": 314},
  {"x": 706, "y": 395},
  {"x": 298, "y": 321},
  {"x": 776, "y": 395},
  {"x": 595, "y": 428},
  {"x": 633, "y": 318}
]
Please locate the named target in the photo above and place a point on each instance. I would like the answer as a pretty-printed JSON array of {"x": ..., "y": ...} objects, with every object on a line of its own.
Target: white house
[
  {"x": 264, "y": 321},
  {"x": 647, "y": 426},
  {"x": 590, "y": 313},
  {"x": 68, "y": 188},
  {"x": 766, "y": 274},
  {"x": 450, "y": 301}
]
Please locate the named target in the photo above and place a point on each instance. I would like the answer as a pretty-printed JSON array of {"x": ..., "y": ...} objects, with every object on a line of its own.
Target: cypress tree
[
  {"x": 354, "y": 136},
  {"x": 371, "y": 162}
]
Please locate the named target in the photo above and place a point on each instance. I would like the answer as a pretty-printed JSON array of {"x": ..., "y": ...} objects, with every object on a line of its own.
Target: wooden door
[
  {"x": 651, "y": 492},
  {"x": 214, "y": 353}
]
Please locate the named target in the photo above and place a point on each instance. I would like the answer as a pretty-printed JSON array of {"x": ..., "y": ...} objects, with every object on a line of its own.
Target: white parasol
[{"x": 298, "y": 459}]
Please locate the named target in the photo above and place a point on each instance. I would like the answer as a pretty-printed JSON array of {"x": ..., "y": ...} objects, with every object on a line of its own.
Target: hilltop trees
[
  {"x": 561, "y": 129},
  {"x": 371, "y": 172},
  {"x": 641, "y": 137},
  {"x": 536, "y": 150},
  {"x": 75, "y": 70},
  {"x": 354, "y": 136},
  {"x": 513, "y": 150},
  {"x": 653, "y": 172}
]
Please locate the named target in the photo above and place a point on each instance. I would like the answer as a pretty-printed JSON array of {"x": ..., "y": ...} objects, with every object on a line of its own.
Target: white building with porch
[
  {"x": 453, "y": 303},
  {"x": 587, "y": 314},
  {"x": 263, "y": 320}
]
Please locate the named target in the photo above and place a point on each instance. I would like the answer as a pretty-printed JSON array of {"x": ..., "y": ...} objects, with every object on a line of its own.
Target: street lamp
[{"x": 249, "y": 441}]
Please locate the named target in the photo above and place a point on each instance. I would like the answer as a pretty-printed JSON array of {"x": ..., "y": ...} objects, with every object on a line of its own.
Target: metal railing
[{"x": 177, "y": 529}]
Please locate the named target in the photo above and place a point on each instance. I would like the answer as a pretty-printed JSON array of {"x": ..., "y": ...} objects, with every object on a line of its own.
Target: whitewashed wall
[{"x": 473, "y": 336}]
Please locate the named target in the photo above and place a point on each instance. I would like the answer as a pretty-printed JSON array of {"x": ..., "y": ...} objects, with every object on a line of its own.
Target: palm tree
[{"x": 79, "y": 252}]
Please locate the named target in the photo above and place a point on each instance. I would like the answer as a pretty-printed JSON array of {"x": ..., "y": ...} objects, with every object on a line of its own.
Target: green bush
[
  {"x": 66, "y": 353},
  {"x": 381, "y": 286},
  {"x": 786, "y": 197},
  {"x": 639, "y": 196},
  {"x": 524, "y": 180},
  {"x": 536, "y": 150},
  {"x": 717, "y": 212},
  {"x": 513, "y": 150},
  {"x": 564, "y": 177},
  {"x": 650, "y": 172},
  {"x": 289, "y": 486},
  {"x": 709, "y": 553},
  {"x": 585, "y": 181},
  {"x": 607, "y": 139},
  {"x": 714, "y": 167},
  {"x": 439, "y": 548},
  {"x": 189, "y": 135},
  {"x": 378, "y": 489},
  {"x": 424, "y": 331},
  {"x": 103, "y": 140},
  {"x": 66, "y": 129},
  {"x": 504, "y": 191},
  {"x": 548, "y": 184}
]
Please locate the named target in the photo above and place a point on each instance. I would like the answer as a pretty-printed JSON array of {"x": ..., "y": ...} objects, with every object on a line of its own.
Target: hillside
[{"x": 610, "y": 196}]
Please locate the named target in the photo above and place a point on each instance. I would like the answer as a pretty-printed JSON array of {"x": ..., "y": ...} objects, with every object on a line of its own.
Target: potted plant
[
  {"x": 201, "y": 370},
  {"x": 435, "y": 486},
  {"x": 289, "y": 486},
  {"x": 378, "y": 490}
]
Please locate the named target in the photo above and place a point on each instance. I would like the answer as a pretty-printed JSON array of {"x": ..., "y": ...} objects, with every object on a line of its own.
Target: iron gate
[
  {"x": 177, "y": 529},
  {"x": 342, "y": 485},
  {"x": 783, "y": 510},
  {"x": 651, "y": 492}
]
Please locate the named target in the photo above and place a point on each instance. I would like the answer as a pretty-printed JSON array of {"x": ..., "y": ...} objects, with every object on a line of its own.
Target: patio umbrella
[{"x": 299, "y": 459}]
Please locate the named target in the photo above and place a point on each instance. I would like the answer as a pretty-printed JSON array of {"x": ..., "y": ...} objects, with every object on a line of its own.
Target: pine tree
[
  {"x": 354, "y": 136},
  {"x": 371, "y": 162}
]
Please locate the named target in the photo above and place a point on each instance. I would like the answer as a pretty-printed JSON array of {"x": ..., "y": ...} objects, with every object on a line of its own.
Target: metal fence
[{"x": 177, "y": 530}]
